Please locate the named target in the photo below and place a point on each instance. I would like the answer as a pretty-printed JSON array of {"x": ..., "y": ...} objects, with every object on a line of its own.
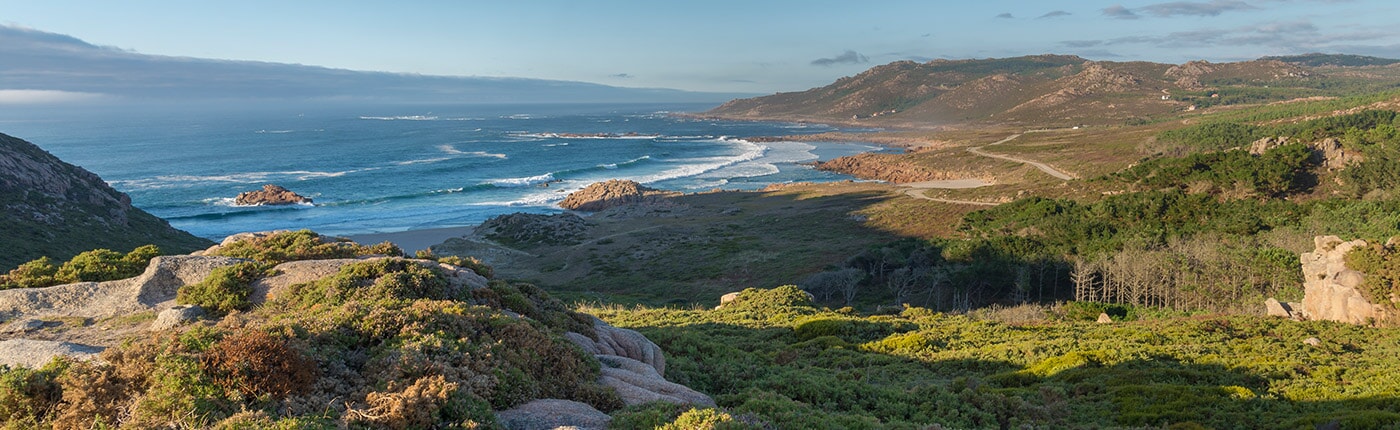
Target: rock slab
[
  {"x": 548, "y": 414},
  {"x": 36, "y": 353}
]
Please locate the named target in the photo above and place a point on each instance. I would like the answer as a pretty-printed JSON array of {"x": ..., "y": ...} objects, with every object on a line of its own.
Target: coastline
[{"x": 412, "y": 241}]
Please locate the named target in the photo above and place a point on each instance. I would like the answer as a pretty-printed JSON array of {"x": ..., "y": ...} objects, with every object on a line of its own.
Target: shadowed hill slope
[{"x": 56, "y": 209}]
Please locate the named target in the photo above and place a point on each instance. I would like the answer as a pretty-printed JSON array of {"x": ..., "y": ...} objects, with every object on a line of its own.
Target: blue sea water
[{"x": 394, "y": 168}]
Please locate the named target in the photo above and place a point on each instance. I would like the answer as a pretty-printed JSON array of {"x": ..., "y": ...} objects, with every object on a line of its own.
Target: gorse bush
[
  {"x": 281, "y": 247},
  {"x": 1381, "y": 264},
  {"x": 92, "y": 266},
  {"x": 225, "y": 290}
]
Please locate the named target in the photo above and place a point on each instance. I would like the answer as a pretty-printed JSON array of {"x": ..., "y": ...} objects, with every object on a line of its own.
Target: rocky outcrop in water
[
  {"x": 609, "y": 194},
  {"x": 270, "y": 195}
]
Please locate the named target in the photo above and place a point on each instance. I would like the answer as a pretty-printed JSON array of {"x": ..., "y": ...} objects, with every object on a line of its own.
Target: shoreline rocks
[
  {"x": 270, "y": 195},
  {"x": 884, "y": 167}
]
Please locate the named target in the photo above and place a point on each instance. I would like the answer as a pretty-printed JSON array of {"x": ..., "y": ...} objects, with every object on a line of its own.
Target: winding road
[
  {"x": 1042, "y": 166},
  {"x": 916, "y": 189}
]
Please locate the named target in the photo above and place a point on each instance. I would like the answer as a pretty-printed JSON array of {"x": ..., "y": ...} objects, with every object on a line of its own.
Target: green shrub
[
  {"x": 92, "y": 266},
  {"x": 287, "y": 246},
  {"x": 225, "y": 290},
  {"x": 1381, "y": 265},
  {"x": 34, "y": 274},
  {"x": 29, "y": 396}
]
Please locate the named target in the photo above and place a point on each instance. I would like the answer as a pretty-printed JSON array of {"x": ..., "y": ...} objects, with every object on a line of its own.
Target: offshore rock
[{"x": 270, "y": 195}]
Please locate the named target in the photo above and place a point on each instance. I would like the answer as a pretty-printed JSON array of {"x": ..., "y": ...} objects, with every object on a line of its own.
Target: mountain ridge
[{"x": 1060, "y": 90}]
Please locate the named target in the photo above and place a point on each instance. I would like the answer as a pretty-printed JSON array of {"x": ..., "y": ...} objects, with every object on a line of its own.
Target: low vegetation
[
  {"x": 92, "y": 266},
  {"x": 776, "y": 360},
  {"x": 385, "y": 343}
]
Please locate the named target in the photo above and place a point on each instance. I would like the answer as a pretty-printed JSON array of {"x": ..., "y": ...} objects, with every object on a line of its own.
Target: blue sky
[{"x": 716, "y": 45}]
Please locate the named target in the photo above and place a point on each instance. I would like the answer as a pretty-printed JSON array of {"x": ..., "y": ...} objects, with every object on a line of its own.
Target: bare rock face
[
  {"x": 270, "y": 195},
  {"x": 1275, "y": 308},
  {"x": 176, "y": 316},
  {"x": 609, "y": 194},
  {"x": 36, "y": 353},
  {"x": 1327, "y": 153},
  {"x": 1330, "y": 288},
  {"x": 157, "y": 285},
  {"x": 548, "y": 414}
]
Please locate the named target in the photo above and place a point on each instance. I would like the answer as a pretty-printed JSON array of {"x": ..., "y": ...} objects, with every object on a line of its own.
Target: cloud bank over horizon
[{"x": 43, "y": 68}]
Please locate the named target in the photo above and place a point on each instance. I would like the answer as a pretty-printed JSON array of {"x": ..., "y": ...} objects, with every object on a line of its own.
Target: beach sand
[{"x": 413, "y": 240}]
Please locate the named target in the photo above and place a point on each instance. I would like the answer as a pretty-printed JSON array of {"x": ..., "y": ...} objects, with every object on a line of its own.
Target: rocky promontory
[
  {"x": 270, "y": 195},
  {"x": 884, "y": 167},
  {"x": 55, "y": 209},
  {"x": 611, "y": 193}
]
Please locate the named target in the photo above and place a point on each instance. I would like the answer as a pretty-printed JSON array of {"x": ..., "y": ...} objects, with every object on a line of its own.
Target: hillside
[
  {"x": 56, "y": 209},
  {"x": 1052, "y": 90}
]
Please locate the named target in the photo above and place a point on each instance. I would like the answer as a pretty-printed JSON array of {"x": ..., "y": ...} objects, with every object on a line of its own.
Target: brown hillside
[{"x": 1040, "y": 90}]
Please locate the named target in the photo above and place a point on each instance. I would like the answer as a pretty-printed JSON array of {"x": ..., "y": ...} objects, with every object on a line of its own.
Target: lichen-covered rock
[
  {"x": 622, "y": 342},
  {"x": 270, "y": 195},
  {"x": 611, "y": 193},
  {"x": 549, "y": 414},
  {"x": 176, "y": 316}
]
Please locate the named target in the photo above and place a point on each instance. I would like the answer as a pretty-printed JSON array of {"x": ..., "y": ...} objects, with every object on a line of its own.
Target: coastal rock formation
[
  {"x": 270, "y": 195},
  {"x": 884, "y": 167},
  {"x": 611, "y": 193},
  {"x": 1330, "y": 288},
  {"x": 176, "y": 316},
  {"x": 55, "y": 209}
]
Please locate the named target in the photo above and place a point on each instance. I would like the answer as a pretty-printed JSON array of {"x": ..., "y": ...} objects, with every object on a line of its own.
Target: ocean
[{"x": 393, "y": 168}]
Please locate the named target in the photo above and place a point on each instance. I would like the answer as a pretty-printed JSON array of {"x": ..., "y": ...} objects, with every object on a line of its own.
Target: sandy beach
[{"x": 413, "y": 240}]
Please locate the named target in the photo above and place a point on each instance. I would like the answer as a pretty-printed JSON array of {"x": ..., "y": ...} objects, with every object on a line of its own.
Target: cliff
[{"x": 56, "y": 209}]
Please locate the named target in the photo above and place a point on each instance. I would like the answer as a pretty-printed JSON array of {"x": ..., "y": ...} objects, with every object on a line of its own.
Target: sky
[{"x": 748, "y": 46}]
